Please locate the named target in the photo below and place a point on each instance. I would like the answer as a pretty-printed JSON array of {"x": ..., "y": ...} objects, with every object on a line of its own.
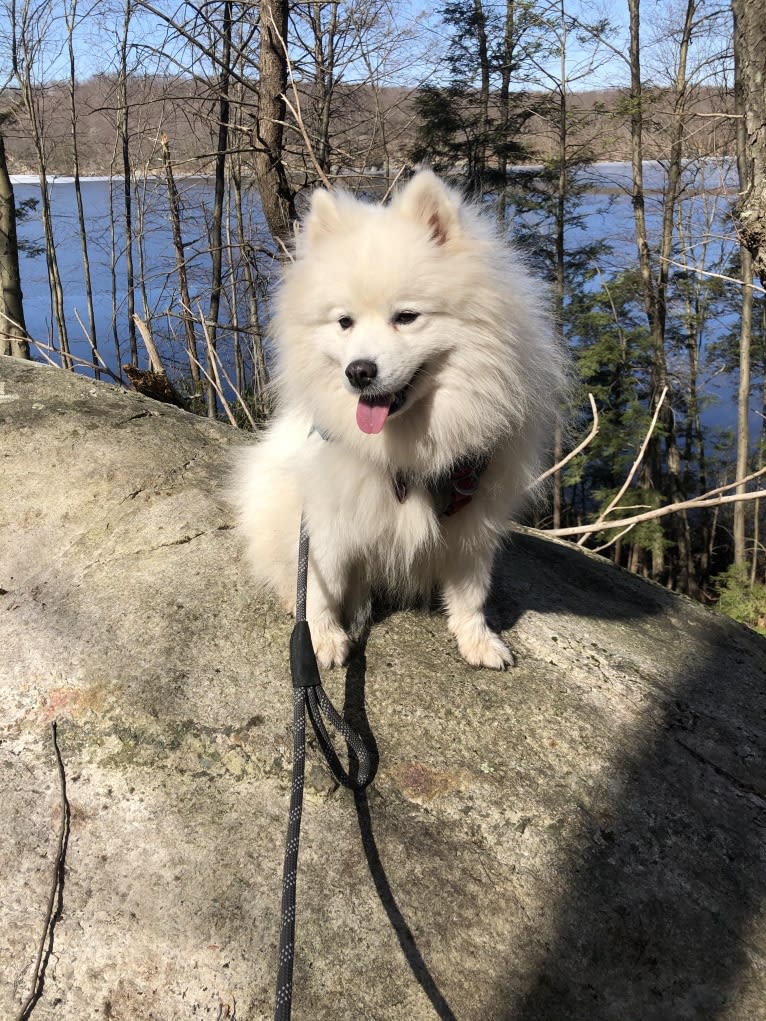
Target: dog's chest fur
[{"x": 372, "y": 510}]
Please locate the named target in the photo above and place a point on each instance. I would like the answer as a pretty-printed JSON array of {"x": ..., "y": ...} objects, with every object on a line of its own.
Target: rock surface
[{"x": 580, "y": 838}]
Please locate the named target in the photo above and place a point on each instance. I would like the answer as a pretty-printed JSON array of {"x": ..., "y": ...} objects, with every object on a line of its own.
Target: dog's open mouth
[{"x": 373, "y": 410}]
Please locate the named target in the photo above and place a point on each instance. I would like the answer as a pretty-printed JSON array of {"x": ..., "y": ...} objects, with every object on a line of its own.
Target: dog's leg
[
  {"x": 324, "y": 598},
  {"x": 465, "y": 578},
  {"x": 357, "y": 601}
]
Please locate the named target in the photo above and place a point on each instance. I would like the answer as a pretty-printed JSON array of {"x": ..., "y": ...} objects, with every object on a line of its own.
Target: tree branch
[
  {"x": 694, "y": 504},
  {"x": 56, "y": 898},
  {"x": 580, "y": 447},
  {"x": 631, "y": 474}
]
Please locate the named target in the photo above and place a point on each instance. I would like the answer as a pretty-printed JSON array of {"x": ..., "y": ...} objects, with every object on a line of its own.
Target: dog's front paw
[
  {"x": 480, "y": 646},
  {"x": 331, "y": 644}
]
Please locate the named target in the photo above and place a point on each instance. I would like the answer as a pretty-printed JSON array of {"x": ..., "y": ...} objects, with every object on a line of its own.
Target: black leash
[{"x": 308, "y": 694}]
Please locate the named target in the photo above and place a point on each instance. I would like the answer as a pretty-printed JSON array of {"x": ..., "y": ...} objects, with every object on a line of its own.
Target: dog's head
[{"x": 392, "y": 320}]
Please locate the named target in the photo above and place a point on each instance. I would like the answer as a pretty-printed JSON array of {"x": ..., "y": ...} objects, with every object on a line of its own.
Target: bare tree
[
  {"x": 30, "y": 23},
  {"x": 568, "y": 155},
  {"x": 183, "y": 278},
  {"x": 223, "y": 84},
  {"x": 276, "y": 191},
  {"x": 13, "y": 331},
  {"x": 750, "y": 55},
  {"x": 655, "y": 280},
  {"x": 750, "y": 96},
  {"x": 123, "y": 129},
  {"x": 71, "y": 19}
]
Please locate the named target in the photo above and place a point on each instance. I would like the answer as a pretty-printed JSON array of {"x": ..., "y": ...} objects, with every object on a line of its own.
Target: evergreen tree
[{"x": 471, "y": 124}]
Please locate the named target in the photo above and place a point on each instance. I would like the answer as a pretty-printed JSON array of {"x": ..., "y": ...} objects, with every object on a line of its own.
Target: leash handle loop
[{"x": 319, "y": 706}]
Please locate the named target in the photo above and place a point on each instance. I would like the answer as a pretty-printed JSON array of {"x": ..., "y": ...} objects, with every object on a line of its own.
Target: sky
[
  {"x": 414, "y": 57},
  {"x": 410, "y": 57}
]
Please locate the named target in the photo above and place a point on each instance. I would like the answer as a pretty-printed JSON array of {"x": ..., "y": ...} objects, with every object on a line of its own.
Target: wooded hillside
[{"x": 184, "y": 109}]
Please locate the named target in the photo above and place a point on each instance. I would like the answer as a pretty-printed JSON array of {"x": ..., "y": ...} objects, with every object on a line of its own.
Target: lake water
[
  {"x": 153, "y": 257},
  {"x": 607, "y": 209}
]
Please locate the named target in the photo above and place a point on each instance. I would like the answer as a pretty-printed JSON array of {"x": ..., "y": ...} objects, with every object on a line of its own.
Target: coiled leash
[{"x": 308, "y": 694}]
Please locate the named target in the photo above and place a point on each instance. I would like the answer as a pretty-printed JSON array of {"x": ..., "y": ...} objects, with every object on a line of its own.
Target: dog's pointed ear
[
  {"x": 323, "y": 217},
  {"x": 426, "y": 199}
]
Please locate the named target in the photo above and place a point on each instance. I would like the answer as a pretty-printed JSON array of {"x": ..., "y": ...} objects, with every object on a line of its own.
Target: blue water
[
  {"x": 708, "y": 188},
  {"x": 158, "y": 299}
]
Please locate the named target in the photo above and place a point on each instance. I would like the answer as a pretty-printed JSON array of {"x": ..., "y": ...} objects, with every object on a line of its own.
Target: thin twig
[
  {"x": 207, "y": 376},
  {"x": 709, "y": 273},
  {"x": 634, "y": 468},
  {"x": 285, "y": 250},
  {"x": 216, "y": 366},
  {"x": 600, "y": 549},
  {"x": 739, "y": 482},
  {"x": 581, "y": 446},
  {"x": 22, "y": 335},
  {"x": 43, "y": 348},
  {"x": 215, "y": 379},
  {"x": 219, "y": 368},
  {"x": 212, "y": 361},
  {"x": 56, "y": 898},
  {"x": 296, "y": 112},
  {"x": 391, "y": 186},
  {"x": 103, "y": 367}
]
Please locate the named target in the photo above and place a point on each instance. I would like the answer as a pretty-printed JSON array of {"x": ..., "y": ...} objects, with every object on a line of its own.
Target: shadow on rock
[
  {"x": 654, "y": 916},
  {"x": 533, "y": 573},
  {"x": 356, "y": 715}
]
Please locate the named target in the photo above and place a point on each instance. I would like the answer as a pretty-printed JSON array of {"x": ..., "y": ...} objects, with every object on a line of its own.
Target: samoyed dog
[{"x": 418, "y": 382}]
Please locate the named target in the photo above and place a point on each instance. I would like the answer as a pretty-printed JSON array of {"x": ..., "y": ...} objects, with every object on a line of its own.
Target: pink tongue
[{"x": 372, "y": 417}]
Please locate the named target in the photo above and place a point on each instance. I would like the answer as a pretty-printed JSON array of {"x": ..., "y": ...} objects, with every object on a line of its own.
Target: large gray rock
[{"x": 580, "y": 838}]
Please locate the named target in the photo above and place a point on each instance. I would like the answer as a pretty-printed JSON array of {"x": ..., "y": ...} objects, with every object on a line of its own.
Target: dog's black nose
[{"x": 361, "y": 373}]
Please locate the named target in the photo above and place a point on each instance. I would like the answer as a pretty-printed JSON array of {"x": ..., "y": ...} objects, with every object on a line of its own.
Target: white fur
[{"x": 492, "y": 378}]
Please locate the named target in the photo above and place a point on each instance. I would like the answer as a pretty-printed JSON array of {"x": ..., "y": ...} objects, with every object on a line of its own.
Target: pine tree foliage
[
  {"x": 740, "y": 599},
  {"x": 471, "y": 124}
]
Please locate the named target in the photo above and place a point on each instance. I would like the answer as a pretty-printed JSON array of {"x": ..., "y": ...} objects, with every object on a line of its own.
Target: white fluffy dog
[{"x": 418, "y": 384}]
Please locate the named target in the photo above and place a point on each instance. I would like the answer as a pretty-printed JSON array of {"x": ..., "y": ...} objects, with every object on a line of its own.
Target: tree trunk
[
  {"x": 123, "y": 130},
  {"x": 183, "y": 282},
  {"x": 744, "y": 166},
  {"x": 562, "y": 182},
  {"x": 26, "y": 44},
  {"x": 655, "y": 290},
  {"x": 216, "y": 227},
  {"x": 478, "y": 183},
  {"x": 51, "y": 258},
  {"x": 277, "y": 198},
  {"x": 750, "y": 85},
  {"x": 71, "y": 17},
  {"x": 13, "y": 331},
  {"x": 324, "y": 78},
  {"x": 743, "y": 406},
  {"x": 260, "y": 374},
  {"x": 651, "y": 470},
  {"x": 504, "y": 107}
]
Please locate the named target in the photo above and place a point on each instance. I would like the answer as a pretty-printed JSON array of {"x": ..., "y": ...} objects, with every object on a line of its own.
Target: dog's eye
[
  {"x": 405, "y": 318},
  {"x": 345, "y": 322}
]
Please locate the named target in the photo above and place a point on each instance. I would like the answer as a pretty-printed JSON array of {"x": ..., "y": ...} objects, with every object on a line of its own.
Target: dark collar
[{"x": 452, "y": 490}]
